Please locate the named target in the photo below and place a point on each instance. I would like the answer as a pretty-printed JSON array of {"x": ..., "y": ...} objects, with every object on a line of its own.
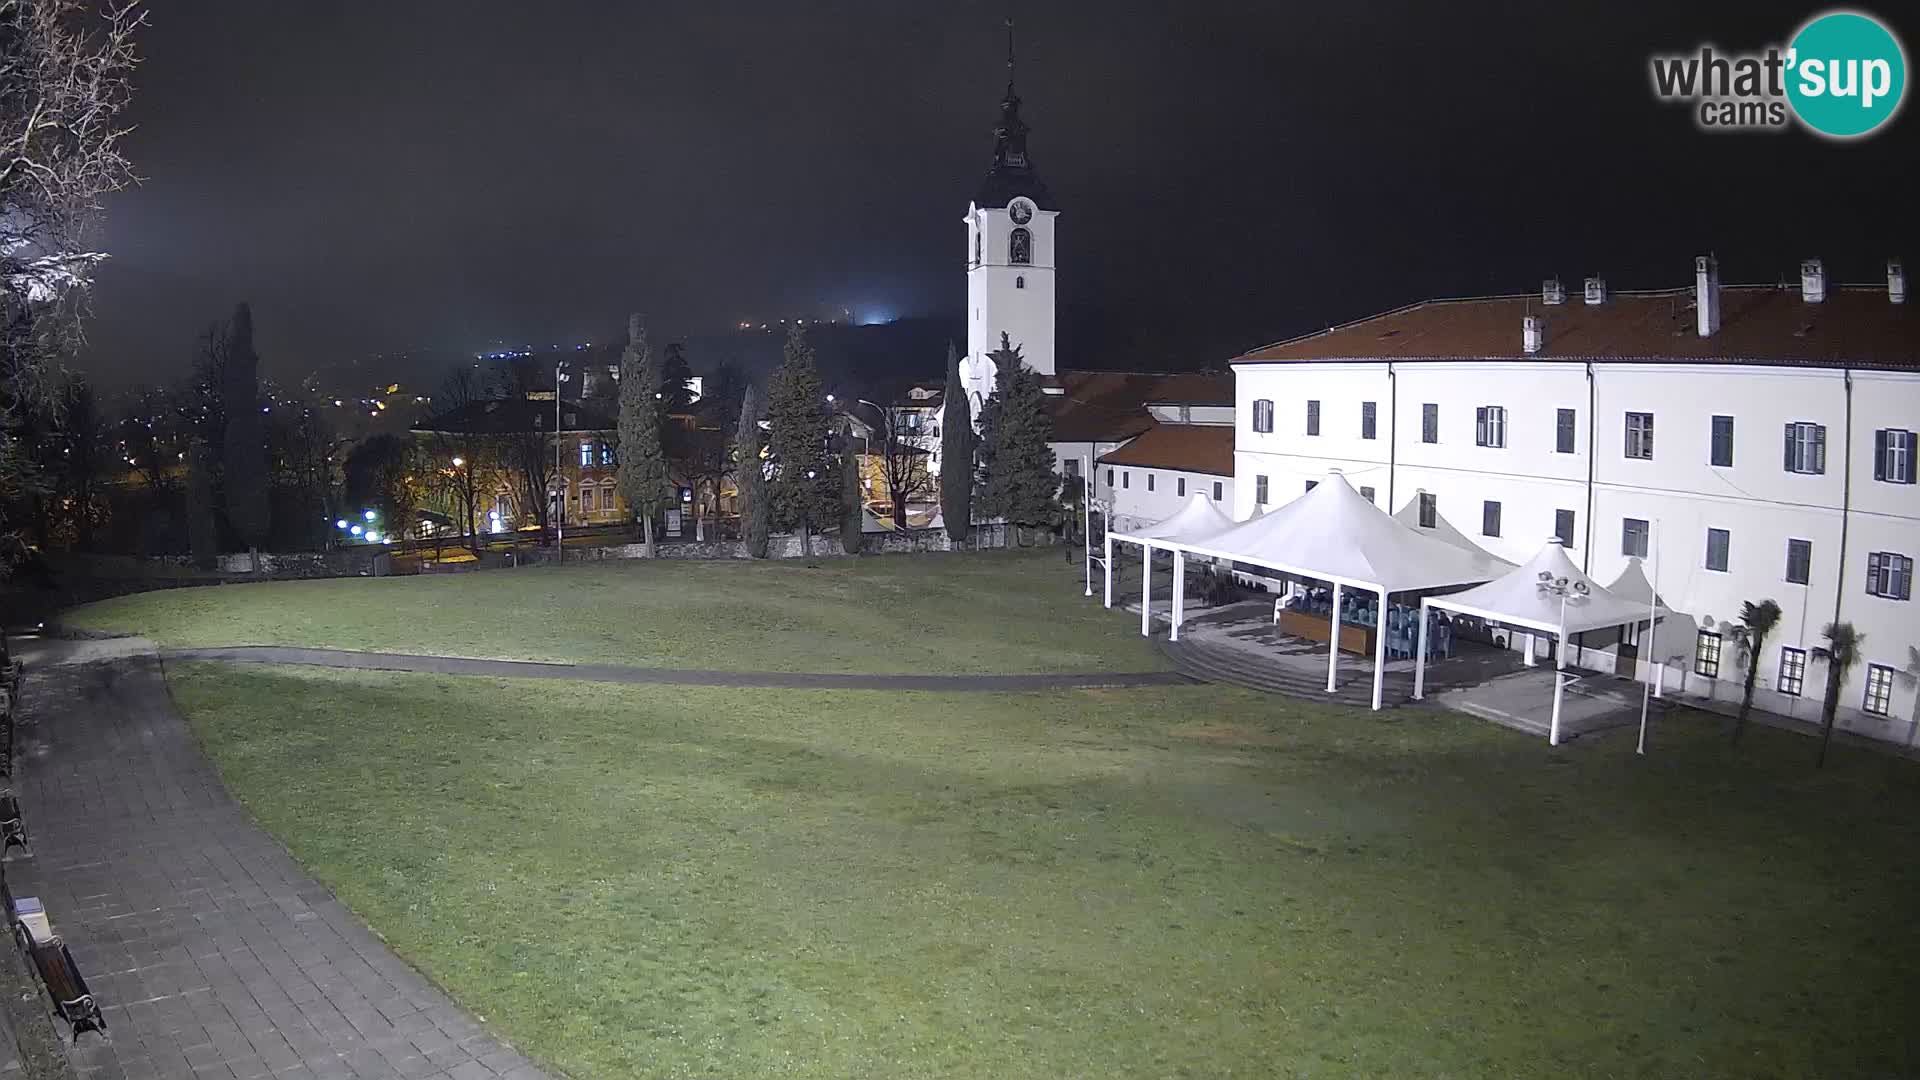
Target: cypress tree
[
  {"x": 244, "y": 453},
  {"x": 200, "y": 534},
  {"x": 749, "y": 477},
  {"x": 643, "y": 462},
  {"x": 956, "y": 454},
  {"x": 852, "y": 512},
  {"x": 1019, "y": 483},
  {"x": 803, "y": 494}
]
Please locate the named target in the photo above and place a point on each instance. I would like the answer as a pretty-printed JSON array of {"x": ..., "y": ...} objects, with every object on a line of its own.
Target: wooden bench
[
  {"x": 13, "y": 827},
  {"x": 64, "y": 983}
]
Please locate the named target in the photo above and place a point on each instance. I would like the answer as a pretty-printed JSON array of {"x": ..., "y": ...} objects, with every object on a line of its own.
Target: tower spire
[{"x": 1009, "y": 56}]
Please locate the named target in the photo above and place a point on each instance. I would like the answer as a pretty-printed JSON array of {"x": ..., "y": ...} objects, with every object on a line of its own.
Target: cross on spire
[{"x": 1009, "y": 55}]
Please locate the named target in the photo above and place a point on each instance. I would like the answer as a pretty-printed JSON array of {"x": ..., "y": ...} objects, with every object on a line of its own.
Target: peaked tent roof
[
  {"x": 1409, "y": 515},
  {"x": 1632, "y": 584},
  {"x": 1515, "y": 597},
  {"x": 1334, "y": 533},
  {"x": 1193, "y": 523}
]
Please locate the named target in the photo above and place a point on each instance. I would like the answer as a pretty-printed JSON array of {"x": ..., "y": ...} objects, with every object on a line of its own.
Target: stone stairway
[{"x": 1197, "y": 659}]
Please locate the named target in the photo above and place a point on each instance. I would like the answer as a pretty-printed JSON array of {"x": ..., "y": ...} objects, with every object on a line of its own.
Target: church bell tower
[{"x": 1010, "y": 256}]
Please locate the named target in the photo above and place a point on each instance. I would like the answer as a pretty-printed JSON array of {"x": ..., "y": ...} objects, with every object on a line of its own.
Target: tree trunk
[
  {"x": 900, "y": 511},
  {"x": 806, "y": 548},
  {"x": 1746, "y": 702},
  {"x": 646, "y": 528},
  {"x": 253, "y": 558},
  {"x": 1828, "y": 707}
]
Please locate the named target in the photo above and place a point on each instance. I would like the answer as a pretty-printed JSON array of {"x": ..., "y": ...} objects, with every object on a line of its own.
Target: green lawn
[
  {"x": 961, "y": 613},
  {"x": 1189, "y": 881}
]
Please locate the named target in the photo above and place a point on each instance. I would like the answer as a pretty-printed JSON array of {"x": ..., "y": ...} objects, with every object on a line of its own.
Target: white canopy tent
[
  {"x": 1665, "y": 636},
  {"x": 1442, "y": 529},
  {"x": 1333, "y": 534},
  {"x": 1548, "y": 594},
  {"x": 1198, "y": 519}
]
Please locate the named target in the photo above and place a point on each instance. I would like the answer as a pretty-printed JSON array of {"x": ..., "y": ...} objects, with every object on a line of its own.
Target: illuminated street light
[
  {"x": 341, "y": 524},
  {"x": 457, "y": 462},
  {"x": 356, "y": 530}
]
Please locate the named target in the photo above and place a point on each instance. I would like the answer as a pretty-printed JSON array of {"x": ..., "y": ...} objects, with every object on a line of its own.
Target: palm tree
[
  {"x": 1756, "y": 622},
  {"x": 1842, "y": 653}
]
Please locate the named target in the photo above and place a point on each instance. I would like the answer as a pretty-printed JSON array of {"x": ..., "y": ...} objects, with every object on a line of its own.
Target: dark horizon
[{"x": 438, "y": 178}]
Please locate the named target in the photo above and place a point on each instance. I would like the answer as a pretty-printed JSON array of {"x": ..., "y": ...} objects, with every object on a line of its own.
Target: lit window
[
  {"x": 1889, "y": 575},
  {"x": 1879, "y": 697},
  {"x": 1793, "y": 671},
  {"x": 1706, "y": 655},
  {"x": 1640, "y": 435},
  {"x": 1893, "y": 456},
  {"x": 1722, "y": 442},
  {"x": 1799, "y": 561},
  {"x": 586, "y": 452},
  {"x": 1806, "y": 448},
  {"x": 1429, "y": 510},
  {"x": 1490, "y": 426},
  {"x": 1633, "y": 537},
  {"x": 1263, "y": 415},
  {"x": 606, "y": 454},
  {"x": 1718, "y": 541}
]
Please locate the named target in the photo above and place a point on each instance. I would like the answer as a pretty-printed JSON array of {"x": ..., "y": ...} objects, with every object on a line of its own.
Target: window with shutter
[
  {"x": 1799, "y": 561},
  {"x": 1806, "y": 448},
  {"x": 1880, "y": 455},
  {"x": 1718, "y": 541},
  {"x": 1722, "y": 442}
]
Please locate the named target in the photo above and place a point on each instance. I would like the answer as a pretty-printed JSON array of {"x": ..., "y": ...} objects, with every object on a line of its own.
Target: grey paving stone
[{"x": 213, "y": 955}]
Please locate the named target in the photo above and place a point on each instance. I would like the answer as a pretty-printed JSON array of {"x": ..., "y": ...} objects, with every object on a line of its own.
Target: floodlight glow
[
  {"x": 341, "y": 524},
  {"x": 356, "y": 530},
  {"x": 370, "y": 515}
]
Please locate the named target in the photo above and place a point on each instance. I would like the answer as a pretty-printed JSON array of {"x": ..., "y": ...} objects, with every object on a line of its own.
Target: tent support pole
[
  {"x": 1420, "y": 655},
  {"x": 1380, "y": 651},
  {"x": 1559, "y": 676},
  {"x": 1333, "y": 641},
  {"x": 1106, "y": 566},
  {"x": 1526, "y": 658},
  {"x": 1146, "y": 590},
  {"x": 1179, "y": 592}
]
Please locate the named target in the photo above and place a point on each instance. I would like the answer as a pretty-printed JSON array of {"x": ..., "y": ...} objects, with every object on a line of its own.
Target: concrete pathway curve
[
  {"x": 619, "y": 673},
  {"x": 211, "y": 952}
]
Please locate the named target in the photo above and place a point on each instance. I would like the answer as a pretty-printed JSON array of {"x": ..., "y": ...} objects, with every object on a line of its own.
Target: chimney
[
  {"x": 1533, "y": 334},
  {"x": 1596, "y": 290},
  {"x": 1552, "y": 293},
  {"x": 1706, "y": 294},
  {"x": 1813, "y": 281},
  {"x": 1896, "y": 282}
]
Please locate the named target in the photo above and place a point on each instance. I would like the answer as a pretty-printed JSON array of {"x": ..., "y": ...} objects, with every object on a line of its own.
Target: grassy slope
[
  {"x": 961, "y": 613},
  {"x": 1178, "y": 882}
]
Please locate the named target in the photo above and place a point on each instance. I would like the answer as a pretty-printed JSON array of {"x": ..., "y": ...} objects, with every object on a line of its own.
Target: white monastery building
[{"x": 1744, "y": 442}]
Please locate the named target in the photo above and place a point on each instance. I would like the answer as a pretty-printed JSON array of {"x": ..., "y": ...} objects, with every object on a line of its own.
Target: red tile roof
[
  {"x": 1759, "y": 324},
  {"x": 1108, "y": 406},
  {"x": 1201, "y": 448}
]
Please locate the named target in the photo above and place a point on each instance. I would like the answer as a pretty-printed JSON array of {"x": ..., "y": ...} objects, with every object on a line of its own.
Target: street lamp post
[
  {"x": 559, "y": 490},
  {"x": 1568, "y": 592}
]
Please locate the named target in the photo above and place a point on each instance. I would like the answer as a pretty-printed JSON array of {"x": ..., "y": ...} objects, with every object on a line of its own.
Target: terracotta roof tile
[
  {"x": 1854, "y": 327},
  {"x": 1201, "y": 448},
  {"x": 1108, "y": 406}
]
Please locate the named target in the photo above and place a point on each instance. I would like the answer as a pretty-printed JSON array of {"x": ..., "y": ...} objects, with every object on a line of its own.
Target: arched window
[
  {"x": 1022, "y": 251},
  {"x": 977, "y": 238},
  {"x": 1020, "y": 282}
]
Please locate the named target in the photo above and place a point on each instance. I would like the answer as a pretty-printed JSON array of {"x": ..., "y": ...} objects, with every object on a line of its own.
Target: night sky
[{"x": 379, "y": 178}]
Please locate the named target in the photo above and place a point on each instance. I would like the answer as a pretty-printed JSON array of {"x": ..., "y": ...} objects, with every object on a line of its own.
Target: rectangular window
[
  {"x": 1706, "y": 655},
  {"x": 1490, "y": 518},
  {"x": 1149, "y": 481},
  {"x": 1718, "y": 540},
  {"x": 1109, "y": 479},
  {"x": 1259, "y": 491},
  {"x": 1311, "y": 484},
  {"x": 586, "y": 452},
  {"x": 1793, "y": 671},
  {"x": 1216, "y": 491},
  {"x": 1563, "y": 432},
  {"x": 587, "y": 499},
  {"x": 1126, "y": 480},
  {"x": 1430, "y": 423},
  {"x": 1722, "y": 441},
  {"x": 1313, "y": 418},
  {"x": 1071, "y": 467},
  {"x": 1367, "y": 493},
  {"x": 1640, "y": 435},
  {"x": 606, "y": 453},
  {"x": 1180, "y": 487},
  {"x": 1429, "y": 510},
  {"x": 1889, "y": 575},
  {"x": 1893, "y": 456},
  {"x": 1490, "y": 426},
  {"x": 1263, "y": 415},
  {"x": 1369, "y": 420},
  {"x": 1630, "y": 635},
  {"x": 1879, "y": 698},
  {"x": 1806, "y": 448},
  {"x": 1563, "y": 527},
  {"x": 1799, "y": 561},
  {"x": 1633, "y": 537}
]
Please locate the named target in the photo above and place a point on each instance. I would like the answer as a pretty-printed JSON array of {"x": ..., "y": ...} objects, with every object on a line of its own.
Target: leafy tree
[
  {"x": 1018, "y": 483},
  {"x": 384, "y": 473},
  {"x": 750, "y": 477},
  {"x": 803, "y": 494},
  {"x": 643, "y": 462},
  {"x": 903, "y": 462},
  {"x": 1756, "y": 622},
  {"x": 244, "y": 451},
  {"x": 201, "y": 539},
  {"x": 852, "y": 510},
  {"x": 956, "y": 453},
  {"x": 1842, "y": 653}
]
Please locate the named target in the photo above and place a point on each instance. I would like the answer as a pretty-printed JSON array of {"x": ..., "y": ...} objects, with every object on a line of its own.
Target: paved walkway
[
  {"x": 618, "y": 673},
  {"x": 212, "y": 954}
]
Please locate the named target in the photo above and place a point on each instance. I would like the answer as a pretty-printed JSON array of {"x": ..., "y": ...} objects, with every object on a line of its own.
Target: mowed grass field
[
  {"x": 1176, "y": 882},
  {"x": 960, "y": 613}
]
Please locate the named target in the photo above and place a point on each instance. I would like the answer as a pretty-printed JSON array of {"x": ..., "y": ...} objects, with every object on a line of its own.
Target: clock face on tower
[{"x": 1021, "y": 211}]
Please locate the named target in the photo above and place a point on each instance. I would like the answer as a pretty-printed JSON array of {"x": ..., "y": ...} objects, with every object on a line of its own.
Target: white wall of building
[
  {"x": 1005, "y": 297},
  {"x": 1142, "y": 496},
  {"x": 1756, "y": 500}
]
